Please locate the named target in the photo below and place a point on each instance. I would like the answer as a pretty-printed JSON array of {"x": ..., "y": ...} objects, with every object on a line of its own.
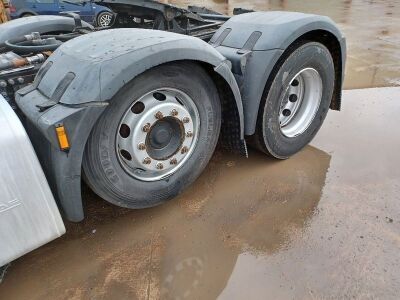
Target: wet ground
[
  {"x": 372, "y": 29},
  {"x": 323, "y": 224}
]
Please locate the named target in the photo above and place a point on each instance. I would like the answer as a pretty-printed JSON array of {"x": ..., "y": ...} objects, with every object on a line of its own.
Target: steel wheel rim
[
  {"x": 300, "y": 102},
  {"x": 105, "y": 20},
  {"x": 174, "y": 118}
]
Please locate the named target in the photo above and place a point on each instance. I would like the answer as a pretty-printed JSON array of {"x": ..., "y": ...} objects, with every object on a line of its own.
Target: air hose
[{"x": 34, "y": 43}]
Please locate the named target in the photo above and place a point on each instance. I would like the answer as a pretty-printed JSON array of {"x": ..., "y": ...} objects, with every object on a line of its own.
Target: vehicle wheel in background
[
  {"x": 25, "y": 15},
  {"x": 295, "y": 102},
  {"x": 103, "y": 19},
  {"x": 156, "y": 136}
]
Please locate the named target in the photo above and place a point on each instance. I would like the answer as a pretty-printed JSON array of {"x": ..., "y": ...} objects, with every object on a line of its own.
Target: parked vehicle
[
  {"x": 89, "y": 11},
  {"x": 139, "y": 111}
]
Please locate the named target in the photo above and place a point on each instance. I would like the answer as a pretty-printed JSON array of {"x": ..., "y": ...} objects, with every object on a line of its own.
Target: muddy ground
[{"x": 323, "y": 224}]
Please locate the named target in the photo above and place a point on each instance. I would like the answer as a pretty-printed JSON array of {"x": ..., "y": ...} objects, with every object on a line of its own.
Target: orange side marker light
[{"x": 62, "y": 138}]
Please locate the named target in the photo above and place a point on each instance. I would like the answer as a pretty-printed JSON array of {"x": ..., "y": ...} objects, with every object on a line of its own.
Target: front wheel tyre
[
  {"x": 296, "y": 101},
  {"x": 155, "y": 138}
]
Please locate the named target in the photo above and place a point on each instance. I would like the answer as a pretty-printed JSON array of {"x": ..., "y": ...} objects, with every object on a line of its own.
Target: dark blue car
[{"x": 88, "y": 10}]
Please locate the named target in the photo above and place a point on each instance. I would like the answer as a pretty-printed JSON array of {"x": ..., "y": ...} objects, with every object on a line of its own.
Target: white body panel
[{"x": 29, "y": 216}]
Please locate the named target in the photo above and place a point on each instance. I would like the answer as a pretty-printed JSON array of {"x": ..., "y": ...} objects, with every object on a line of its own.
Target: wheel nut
[
  {"x": 147, "y": 161},
  {"x": 184, "y": 150},
  {"x": 159, "y": 115},
  {"x": 173, "y": 161},
  {"x": 141, "y": 146},
  {"x": 185, "y": 120},
  {"x": 160, "y": 166},
  {"x": 174, "y": 112},
  {"x": 146, "y": 127},
  {"x": 189, "y": 134}
]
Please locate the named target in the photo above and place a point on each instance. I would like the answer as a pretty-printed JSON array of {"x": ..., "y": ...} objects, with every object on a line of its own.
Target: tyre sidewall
[{"x": 310, "y": 55}]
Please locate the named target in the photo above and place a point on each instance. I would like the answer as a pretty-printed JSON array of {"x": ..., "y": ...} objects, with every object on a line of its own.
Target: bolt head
[
  {"x": 160, "y": 166},
  {"x": 185, "y": 120},
  {"x": 184, "y": 150},
  {"x": 159, "y": 115},
  {"x": 173, "y": 161},
  {"x": 174, "y": 112},
  {"x": 146, "y": 127},
  {"x": 142, "y": 146},
  {"x": 189, "y": 134},
  {"x": 147, "y": 161}
]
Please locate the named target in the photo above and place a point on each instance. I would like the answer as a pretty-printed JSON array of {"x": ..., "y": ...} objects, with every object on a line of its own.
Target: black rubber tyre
[
  {"x": 269, "y": 137},
  {"x": 103, "y": 171},
  {"x": 25, "y": 15}
]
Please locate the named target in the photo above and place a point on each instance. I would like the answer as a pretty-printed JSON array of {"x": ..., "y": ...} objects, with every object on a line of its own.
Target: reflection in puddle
[{"x": 255, "y": 207}]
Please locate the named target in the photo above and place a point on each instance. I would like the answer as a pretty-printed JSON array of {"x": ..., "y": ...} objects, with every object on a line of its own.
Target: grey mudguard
[
  {"x": 102, "y": 63},
  {"x": 254, "y": 42},
  {"x": 41, "y": 24}
]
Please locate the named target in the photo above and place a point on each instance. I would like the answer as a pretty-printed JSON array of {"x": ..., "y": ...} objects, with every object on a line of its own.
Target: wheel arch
[
  {"x": 26, "y": 11},
  {"x": 109, "y": 66},
  {"x": 256, "y": 42},
  {"x": 331, "y": 42},
  {"x": 338, "y": 52}
]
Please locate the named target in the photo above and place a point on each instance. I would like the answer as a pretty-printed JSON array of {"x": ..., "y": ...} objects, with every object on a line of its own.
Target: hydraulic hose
[
  {"x": 22, "y": 45},
  {"x": 26, "y": 44}
]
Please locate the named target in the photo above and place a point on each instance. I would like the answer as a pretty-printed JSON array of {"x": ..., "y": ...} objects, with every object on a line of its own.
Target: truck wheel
[
  {"x": 155, "y": 138},
  {"x": 296, "y": 101}
]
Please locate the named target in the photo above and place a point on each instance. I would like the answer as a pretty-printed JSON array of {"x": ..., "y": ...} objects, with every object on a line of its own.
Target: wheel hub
[
  {"x": 165, "y": 138},
  {"x": 157, "y": 134},
  {"x": 300, "y": 102}
]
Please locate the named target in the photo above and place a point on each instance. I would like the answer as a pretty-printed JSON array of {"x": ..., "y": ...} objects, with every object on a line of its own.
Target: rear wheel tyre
[
  {"x": 27, "y": 15},
  {"x": 104, "y": 19},
  {"x": 155, "y": 138},
  {"x": 296, "y": 102}
]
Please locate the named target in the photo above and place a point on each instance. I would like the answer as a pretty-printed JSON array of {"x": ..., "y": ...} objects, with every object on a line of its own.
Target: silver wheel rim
[
  {"x": 105, "y": 20},
  {"x": 157, "y": 134},
  {"x": 300, "y": 102}
]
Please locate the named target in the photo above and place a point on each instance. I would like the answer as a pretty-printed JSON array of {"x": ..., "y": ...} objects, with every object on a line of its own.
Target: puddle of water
[
  {"x": 372, "y": 29},
  {"x": 187, "y": 248},
  {"x": 323, "y": 224}
]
